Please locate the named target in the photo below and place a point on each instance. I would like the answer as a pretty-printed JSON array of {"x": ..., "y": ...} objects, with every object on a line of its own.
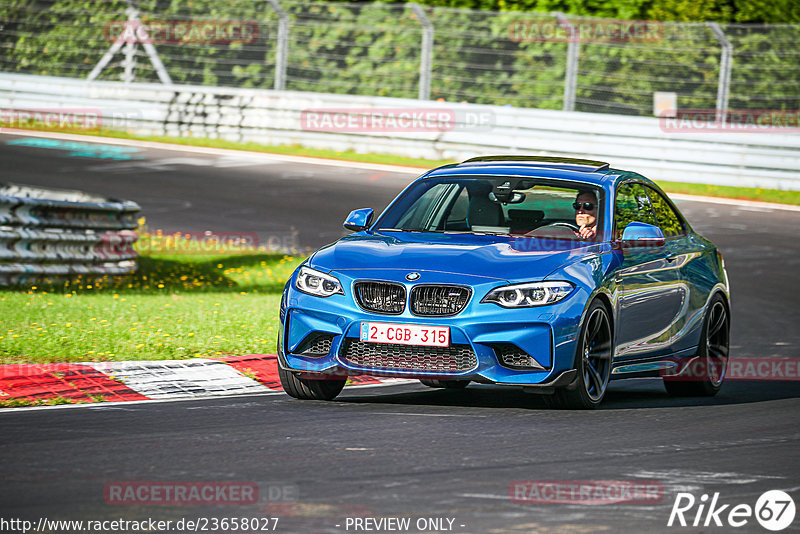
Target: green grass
[
  {"x": 743, "y": 193},
  {"x": 172, "y": 308},
  {"x": 20, "y": 403}
]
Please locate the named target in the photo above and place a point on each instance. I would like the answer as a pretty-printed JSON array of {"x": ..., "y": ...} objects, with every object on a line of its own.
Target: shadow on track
[{"x": 622, "y": 395}]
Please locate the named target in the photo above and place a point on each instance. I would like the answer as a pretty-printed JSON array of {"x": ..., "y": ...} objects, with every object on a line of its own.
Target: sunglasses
[{"x": 587, "y": 206}]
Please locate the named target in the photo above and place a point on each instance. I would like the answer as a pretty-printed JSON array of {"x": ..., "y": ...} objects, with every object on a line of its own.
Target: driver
[{"x": 586, "y": 214}]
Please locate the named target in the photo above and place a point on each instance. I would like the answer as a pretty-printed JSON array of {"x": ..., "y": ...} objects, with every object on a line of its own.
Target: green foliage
[{"x": 375, "y": 49}]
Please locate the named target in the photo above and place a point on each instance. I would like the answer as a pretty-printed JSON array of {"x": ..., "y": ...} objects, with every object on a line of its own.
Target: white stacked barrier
[{"x": 53, "y": 234}]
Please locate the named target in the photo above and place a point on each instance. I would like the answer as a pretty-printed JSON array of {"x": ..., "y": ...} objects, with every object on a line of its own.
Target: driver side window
[{"x": 631, "y": 205}]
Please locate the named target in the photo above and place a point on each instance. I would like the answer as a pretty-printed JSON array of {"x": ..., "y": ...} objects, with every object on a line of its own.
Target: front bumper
[{"x": 546, "y": 333}]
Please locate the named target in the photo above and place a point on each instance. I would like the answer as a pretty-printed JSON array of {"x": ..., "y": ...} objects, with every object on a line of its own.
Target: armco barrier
[
  {"x": 751, "y": 159},
  {"x": 53, "y": 234}
]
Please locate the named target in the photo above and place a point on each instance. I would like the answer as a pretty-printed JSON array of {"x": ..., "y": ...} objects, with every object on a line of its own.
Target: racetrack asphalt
[{"x": 405, "y": 450}]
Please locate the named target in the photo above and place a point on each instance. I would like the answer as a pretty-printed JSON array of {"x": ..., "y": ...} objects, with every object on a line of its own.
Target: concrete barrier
[{"x": 767, "y": 157}]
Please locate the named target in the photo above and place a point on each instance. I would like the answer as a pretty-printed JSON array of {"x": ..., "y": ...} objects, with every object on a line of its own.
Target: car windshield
[{"x": 514, "y": 206}]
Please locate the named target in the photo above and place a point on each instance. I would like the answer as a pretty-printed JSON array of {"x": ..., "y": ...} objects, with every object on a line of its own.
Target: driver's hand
[{"x": 587, "y": 232}]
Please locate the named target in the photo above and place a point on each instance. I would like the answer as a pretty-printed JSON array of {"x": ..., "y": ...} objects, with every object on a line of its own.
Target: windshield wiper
[
  {"x": 469, "y": 232},
  {"x": 412, "y": 230}
]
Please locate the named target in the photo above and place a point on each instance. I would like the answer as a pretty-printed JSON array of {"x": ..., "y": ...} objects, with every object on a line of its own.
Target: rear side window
[
  {"x": 668, "y": 220},
  {"x": 631, "y": 205}
]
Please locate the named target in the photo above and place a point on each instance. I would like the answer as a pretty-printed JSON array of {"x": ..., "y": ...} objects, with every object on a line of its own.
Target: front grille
[
  {"x": 438, "y": 301},
  {"x": 510, "y": 355},
  {"x": 381, "y": 297},
  {"x": 315, "y": 345},
  {"x": 452, "y": 359}
]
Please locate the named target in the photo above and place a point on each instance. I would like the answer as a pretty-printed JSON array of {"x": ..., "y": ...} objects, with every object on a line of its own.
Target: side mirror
[
  {"x": 359, "y": 219},
  {"x": 638, "y": 234}
]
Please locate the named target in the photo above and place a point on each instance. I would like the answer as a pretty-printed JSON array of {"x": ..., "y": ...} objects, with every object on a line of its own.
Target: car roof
[{"x": 591, "y": 172}]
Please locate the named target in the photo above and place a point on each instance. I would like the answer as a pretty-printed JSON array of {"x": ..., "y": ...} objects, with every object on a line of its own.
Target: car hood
[{"x": 496, "y": 257}]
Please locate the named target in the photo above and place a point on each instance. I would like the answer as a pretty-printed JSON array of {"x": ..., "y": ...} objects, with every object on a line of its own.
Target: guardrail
[
  {"x": 767, "y": 159},
  {"x": 48, "y": 234}
]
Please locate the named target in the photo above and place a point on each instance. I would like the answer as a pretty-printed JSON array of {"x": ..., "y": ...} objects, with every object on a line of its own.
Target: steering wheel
[
  {"x": 556, "y": 229},
  {"x": 563, "y": 224}
]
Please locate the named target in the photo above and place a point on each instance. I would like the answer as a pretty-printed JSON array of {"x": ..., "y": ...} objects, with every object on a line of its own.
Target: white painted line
[
  {"x": 427, "y": 414},
  {"x": 122, "y": 404},
  {"x": 221, "y": 151},
  {"x": 339, "y": 163},
  {"x": 484, "y": 496}
]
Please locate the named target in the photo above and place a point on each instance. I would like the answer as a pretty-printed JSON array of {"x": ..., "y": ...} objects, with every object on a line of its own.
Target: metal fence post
[
  {"x": 282, "y": 46},
  {"x": 571, "y": 74},
  {"x": 426, "y": 55},
  {"x": 130, "y": 54},
  {"x": 129, "y": 62},
  {"x": 725, "y": 67}
]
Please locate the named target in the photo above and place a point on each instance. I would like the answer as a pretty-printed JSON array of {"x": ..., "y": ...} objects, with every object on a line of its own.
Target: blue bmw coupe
[{"x": 552, "y": 274}]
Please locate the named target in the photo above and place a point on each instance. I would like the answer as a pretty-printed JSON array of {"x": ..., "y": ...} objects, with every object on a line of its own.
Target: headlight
[
  {"x": 531, "y": 294},
  {"x": 317, "y": 283}
]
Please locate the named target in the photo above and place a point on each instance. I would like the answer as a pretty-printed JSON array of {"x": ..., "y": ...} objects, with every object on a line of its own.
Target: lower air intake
[
  {"x": 510, "y": 355},
  {"x": 315, "y": 345},
  {"x": 388, "y": 356}
]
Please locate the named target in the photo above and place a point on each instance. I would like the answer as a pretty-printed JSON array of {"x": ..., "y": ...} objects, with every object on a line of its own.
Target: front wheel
[
  {"x": 446, "y": 384},
  {"x": 305, "y": 389},
  {"x": 592, "y": 361},
  {"x": 703, "y": 377}
]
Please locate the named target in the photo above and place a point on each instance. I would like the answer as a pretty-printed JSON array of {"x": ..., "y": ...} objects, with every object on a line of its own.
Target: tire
[
  {"x": 305, "y": 389},
  {"x": 593, "y": 355},
  {"x": 704, "y": 376},
  {"x": 446, "y": 384}
]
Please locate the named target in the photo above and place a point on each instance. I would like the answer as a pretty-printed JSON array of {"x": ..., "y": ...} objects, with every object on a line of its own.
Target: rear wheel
[
  {"x": 303, "y": 388},
  {"x": 447, "y": 384},
  {"x": 592, "y": 361},
  {"x": 703, "y": 377}
]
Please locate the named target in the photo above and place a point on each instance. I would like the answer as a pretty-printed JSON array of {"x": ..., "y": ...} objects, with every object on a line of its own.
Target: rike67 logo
[{"x": 774, "y": 510}]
